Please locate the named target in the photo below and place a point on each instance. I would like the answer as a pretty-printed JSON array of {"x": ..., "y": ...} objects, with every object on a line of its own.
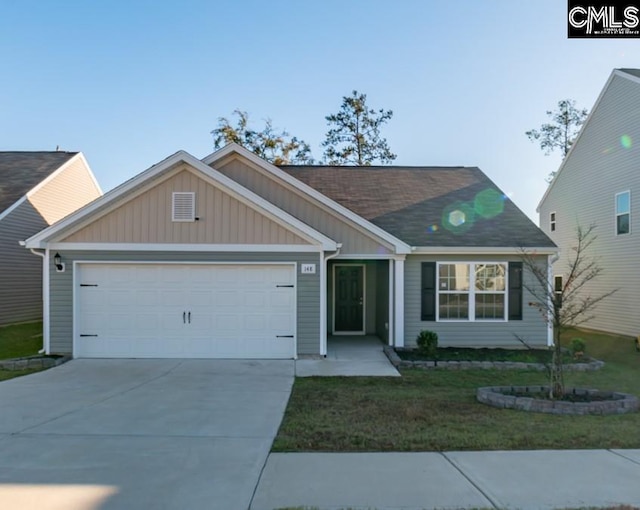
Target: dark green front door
[{"x": 349, "y": 299}]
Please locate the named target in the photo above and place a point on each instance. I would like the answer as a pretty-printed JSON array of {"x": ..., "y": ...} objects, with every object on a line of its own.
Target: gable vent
[{"x": 184, "y": 206}]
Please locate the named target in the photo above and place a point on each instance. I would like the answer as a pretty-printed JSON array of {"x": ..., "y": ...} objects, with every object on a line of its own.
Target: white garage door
[{"x": 185, "y": 311}]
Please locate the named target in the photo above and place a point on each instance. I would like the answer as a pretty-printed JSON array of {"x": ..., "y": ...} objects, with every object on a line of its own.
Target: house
[
  {"x": 232, "y": 257},
  {"x": 36, "y": 190},
  {"x": 597, "y": 184}
]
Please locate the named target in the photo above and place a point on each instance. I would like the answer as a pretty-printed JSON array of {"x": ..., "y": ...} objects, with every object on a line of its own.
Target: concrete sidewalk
[{"x": 540, "y": 479}]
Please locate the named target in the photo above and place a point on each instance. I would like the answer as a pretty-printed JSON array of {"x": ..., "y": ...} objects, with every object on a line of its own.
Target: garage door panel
[{"x": 182, "y": 310}]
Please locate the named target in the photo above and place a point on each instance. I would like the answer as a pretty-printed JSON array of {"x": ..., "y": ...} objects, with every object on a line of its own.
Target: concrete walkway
[
  {"x": 349, "y": 356},
  {"x": 514, "y": 479}
]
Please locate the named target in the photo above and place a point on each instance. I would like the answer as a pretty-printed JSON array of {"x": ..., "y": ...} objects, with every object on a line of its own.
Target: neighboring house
[
  {"x": 599, "y": 183},
  {"x": 232, "y": 257},
  {"x": 36, "y": 190}
]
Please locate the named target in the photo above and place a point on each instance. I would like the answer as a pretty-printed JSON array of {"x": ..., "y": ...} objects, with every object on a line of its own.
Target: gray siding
[
  {"x": 353, "y": 238},
  {"x": 308, "y": 290},
  {"x": 21, "y": 270},
  {"x": 584, "y": 193},
  {"x": 532, "y": 328}
]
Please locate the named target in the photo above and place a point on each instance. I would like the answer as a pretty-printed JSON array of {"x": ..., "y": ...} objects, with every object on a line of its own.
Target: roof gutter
[
  {"x": 45, "y": 292},
  {"x": 480, "y": 250}
]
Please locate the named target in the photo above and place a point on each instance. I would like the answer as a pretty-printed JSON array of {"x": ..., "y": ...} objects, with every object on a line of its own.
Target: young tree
[
  {"x": 568, "y": 304},
  {"x": 354, "y": 134},
  {"x": 275, "y": 147},
  {"x": 561, "y": 132}
]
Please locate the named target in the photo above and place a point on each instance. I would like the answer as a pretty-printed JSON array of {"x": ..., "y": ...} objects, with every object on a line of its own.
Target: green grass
[
  {"x": 437, "y": 410},
  {"x": 20, "y": 340},
  {"x": 5, "y": 375}
]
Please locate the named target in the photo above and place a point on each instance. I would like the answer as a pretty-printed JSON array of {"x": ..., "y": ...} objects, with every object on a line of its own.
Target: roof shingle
[
  {"x": 22, "y": 171},
  {"x": 427, "y": 206}
]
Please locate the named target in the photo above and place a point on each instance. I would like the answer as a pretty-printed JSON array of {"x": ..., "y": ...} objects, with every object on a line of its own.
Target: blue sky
[{"x": 129, "y": 83}]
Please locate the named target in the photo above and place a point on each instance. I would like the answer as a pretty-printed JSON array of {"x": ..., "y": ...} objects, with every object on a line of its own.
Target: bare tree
[{"x": 567, "y": 304}]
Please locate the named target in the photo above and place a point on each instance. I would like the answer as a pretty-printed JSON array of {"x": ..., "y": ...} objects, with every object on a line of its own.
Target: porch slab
[{"x": 349, "y": 356}]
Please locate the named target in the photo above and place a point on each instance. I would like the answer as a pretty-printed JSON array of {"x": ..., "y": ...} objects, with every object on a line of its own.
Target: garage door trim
[{"x": 78, "y": 263}]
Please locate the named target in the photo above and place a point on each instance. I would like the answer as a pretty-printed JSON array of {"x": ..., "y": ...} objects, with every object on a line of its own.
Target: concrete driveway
[{"x": 164, "y": 434}]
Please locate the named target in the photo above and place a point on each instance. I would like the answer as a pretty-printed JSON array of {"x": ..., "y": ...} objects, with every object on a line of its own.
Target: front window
[
  {"x": 472, "y": 291},
  {"x": 623, "y": 212},
  {"x": 552, "y": 221}
]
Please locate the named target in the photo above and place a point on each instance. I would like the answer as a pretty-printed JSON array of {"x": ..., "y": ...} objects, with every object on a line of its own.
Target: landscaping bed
[
  {"x": 450, "y": 358},
  {"x": 576, "y": 401},
  {"x": 30, "y": 362}
]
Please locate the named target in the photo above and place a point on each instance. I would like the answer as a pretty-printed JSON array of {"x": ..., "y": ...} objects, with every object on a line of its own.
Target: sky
[{"x": 129, "y": 83}]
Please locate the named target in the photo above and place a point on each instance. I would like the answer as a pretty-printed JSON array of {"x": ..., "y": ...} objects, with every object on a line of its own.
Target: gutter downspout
[
  {"x": 551, "y": 259},
  {"x": 323, "y": 297},
  {"x": 45, "y": 289}
]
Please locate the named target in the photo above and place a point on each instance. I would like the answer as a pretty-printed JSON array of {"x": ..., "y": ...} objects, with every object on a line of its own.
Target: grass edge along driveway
[
  {"x": 437, "y": 411},
  {"x": 17, "y": 341}
]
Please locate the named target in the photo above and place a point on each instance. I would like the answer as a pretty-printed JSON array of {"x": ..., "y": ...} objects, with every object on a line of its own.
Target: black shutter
[
  {"x": 515, "y": 291},
  {"x": 428, "y": 309}
]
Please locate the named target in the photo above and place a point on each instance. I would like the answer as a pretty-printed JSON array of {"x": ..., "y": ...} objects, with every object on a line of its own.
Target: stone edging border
[
  {"x": 32, "y": 362},
  {"x": 396, "y": 361},
  {"x": 620, "y": 403}
]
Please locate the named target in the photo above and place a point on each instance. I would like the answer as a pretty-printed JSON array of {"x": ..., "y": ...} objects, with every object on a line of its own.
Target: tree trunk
[{"x": 557, "y": 376}]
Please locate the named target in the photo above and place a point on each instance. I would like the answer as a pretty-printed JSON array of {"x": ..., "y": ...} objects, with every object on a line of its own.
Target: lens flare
[
  {"x": 458, "y": 217},
  {"x": 489, "y": 203},
  {"x": 431, "y": 229},
  {"x": 626, "y": 142}
]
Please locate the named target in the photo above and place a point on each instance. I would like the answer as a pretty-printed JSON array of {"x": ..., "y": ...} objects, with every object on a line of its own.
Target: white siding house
[{"x": 599, "y": 184}]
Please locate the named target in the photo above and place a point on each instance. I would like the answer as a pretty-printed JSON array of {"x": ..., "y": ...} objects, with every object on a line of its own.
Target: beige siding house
[
  {"x": 36, "y": 190},
  {"x": 598, "y": 184},
  {"x": 232, "y": 257}
]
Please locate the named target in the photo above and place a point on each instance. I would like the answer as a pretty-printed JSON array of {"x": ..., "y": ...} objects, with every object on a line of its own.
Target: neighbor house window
[
  {"x": 552, "y": 221},
  {"x": 472, "y": 291},
  {"x": 623, "y": 212},
  {"x": 183, "y": 206}
]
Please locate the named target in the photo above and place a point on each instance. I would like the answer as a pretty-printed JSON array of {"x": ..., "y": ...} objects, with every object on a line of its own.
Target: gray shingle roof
[
  {"x": 21, "y": 171},
  {"x": 428, "y": 206},
  {"x": 633, "y": 72}
]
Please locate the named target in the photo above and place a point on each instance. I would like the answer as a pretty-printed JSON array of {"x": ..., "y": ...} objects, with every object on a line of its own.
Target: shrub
[
  {"x": 427, "y": 343},
  {"x": 578, "y": 346}
]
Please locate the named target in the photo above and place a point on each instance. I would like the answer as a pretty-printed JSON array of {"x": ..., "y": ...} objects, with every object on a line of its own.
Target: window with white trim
[
  {"x": 552, "y": 221},
  {"x": 183, "y": 206},
  {"x": 623, "y": 213},
  {"x": 472, "y": 291}
]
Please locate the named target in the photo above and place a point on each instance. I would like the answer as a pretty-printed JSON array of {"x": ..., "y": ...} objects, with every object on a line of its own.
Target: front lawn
[
  {"x": 436, "y": 410},
  {"x": 20, "y": 340}
]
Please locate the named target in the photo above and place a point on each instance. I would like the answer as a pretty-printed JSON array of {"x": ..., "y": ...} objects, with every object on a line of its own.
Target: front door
[{"x": 348, "y": 299}]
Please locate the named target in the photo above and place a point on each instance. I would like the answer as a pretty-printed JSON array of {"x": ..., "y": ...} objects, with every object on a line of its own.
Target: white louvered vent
[{"x": 184, "y": 206}]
